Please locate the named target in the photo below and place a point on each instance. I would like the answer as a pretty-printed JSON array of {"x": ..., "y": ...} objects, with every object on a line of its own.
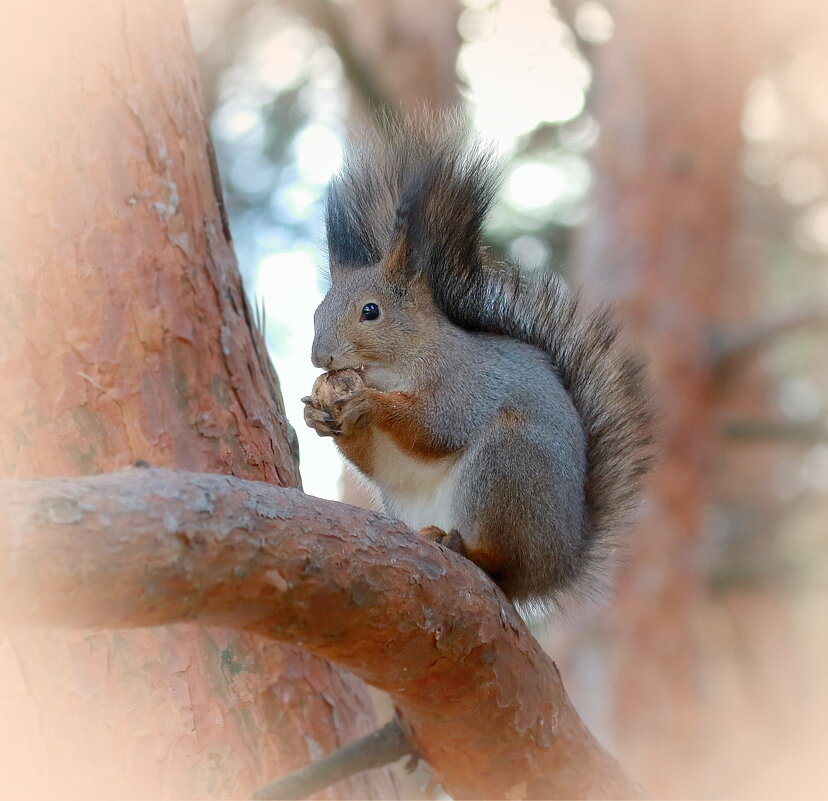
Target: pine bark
[{"x": 124, "y": 335}]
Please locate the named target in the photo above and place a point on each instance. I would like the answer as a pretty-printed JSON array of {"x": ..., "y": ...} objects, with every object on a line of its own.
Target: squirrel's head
[
  {"x": 403, "y": 221},
  {"x": 376, "y": 320}
]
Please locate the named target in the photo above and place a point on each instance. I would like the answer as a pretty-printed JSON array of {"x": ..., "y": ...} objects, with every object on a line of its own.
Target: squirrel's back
[{"x": 425, "y": 175}]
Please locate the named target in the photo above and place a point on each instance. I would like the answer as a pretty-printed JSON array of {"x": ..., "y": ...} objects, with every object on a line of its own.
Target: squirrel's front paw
[
  {"x": 319, "y": 420},
  {"x": 338, "y": 404}
]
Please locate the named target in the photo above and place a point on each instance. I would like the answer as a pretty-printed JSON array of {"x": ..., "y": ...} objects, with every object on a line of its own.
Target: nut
[{"x": 336, "y": 385}]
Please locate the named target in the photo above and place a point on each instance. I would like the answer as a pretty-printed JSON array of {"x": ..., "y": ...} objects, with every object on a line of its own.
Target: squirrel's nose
[
  {"x": 319, "y": 357},
  {"x": 321, "y": 361}
]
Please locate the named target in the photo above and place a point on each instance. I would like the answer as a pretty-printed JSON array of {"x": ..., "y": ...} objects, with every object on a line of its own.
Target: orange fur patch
[
  {"x": 358, "y": 449},
  {"x": 489, "y": 561},
  {"x": 398, "y": 415}
]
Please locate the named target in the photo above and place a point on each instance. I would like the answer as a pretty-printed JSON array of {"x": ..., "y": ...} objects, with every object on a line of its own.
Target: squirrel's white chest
[{"x": 420, "y": 493}]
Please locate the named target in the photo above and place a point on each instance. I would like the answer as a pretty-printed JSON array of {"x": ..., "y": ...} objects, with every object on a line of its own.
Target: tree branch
[{"x": 478, "y": 697}]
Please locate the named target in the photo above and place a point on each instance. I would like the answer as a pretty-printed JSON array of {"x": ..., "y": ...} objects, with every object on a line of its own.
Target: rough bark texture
[
  {"x": 124, "y": 334},
  {"x": 660, "y": 243},
  {"x": 483, "y": 703}
]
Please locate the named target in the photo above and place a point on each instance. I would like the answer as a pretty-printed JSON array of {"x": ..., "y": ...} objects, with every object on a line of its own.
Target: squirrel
[{"x": 493, "y": 415}]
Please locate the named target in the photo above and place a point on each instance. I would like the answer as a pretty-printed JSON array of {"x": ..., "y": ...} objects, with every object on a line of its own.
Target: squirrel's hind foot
[
  {"x": 488, "y": 563},
  {"x": 451, "y": 539}
]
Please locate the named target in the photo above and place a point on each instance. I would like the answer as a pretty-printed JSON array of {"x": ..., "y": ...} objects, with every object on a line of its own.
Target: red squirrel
[{"x": 492, "y": 414}]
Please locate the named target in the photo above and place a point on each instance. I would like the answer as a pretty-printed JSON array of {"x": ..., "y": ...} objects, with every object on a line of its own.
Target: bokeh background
[{"x": 670, "y": 157}]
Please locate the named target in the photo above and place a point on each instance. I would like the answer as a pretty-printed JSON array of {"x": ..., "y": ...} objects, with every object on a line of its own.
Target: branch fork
[{"x": 478, "y": 697}]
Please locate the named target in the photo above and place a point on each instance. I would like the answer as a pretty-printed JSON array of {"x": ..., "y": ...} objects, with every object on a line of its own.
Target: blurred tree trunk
[
  {"x": 397, "y": 55},
  {"x": 662, "y": 242},
  {"x": 410, "y": 49},
  {"x": 126, "y": 335}
]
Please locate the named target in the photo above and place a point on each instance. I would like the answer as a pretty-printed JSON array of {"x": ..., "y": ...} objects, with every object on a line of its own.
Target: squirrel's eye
[{"x": 370, "y": 311}]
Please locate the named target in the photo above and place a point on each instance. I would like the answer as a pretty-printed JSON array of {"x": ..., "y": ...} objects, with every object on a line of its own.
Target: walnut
[{"x": 335, "y": 386}]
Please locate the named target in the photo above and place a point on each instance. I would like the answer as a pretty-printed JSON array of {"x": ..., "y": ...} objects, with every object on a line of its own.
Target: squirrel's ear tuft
[
  {"x": 397, "y": 264},
  {"x": 350, "y": 227},
  {"x": 446, "y": 205},
  {"x": 413, "y": 195}
]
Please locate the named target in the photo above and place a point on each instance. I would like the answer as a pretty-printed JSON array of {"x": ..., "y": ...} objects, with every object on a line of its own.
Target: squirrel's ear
[
  {"x": 402, "y": 261},
  {"x": 398, "y": 265},
  {"x": 335, "y": 269}
]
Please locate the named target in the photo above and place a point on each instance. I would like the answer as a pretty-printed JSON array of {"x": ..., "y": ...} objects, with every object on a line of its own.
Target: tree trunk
[
  {"x": 126, "y": 335},
  {"x": 397, "y": 55},
  {"x": 410, "y": 49}
]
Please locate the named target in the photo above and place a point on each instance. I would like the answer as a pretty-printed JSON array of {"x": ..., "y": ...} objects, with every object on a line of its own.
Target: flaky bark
[
  {"x": 147, "y": 546},
  {"x": 124, "y": 334}
]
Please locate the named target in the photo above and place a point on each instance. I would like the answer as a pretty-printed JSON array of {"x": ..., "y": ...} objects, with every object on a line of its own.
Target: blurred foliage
[{"x": 268, "y": 75}]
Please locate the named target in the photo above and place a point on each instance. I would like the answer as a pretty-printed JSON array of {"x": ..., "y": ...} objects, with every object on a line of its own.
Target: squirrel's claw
[{"x": 320, "y": 421}]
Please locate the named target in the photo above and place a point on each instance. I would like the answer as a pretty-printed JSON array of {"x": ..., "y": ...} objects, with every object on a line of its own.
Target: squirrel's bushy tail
[
  {"x": 426, "y": 171},
  {"x": 604, "y": 381}
]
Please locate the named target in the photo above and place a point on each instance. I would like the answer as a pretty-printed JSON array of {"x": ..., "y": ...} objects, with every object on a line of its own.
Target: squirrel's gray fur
[{"x": 575, "y": 466}]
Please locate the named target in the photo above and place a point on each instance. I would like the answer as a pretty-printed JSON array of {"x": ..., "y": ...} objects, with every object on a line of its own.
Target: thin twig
[
  {"x": 776, "y": 431},
  {"x": 732, "y": 350},
  {"x": 375, "y": 750}
]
